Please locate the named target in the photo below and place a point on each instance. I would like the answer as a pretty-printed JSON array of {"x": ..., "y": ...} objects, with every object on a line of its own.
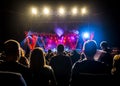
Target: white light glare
[
  {"x": 86, "y": 35},
  {"x": 61, "y": 11},
  {"x": 74, "y": 11},
  {"x": 83, "y": 11},
  {"x": 46, "y": 11},
  {"x": 34, "y": 11}
]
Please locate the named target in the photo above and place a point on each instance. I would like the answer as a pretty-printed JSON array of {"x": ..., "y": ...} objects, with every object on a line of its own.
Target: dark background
[{"x": 15, "y": 18}]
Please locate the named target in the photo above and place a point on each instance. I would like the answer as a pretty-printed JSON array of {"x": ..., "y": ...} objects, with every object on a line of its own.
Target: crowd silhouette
[{"x": 60, "y": 68}]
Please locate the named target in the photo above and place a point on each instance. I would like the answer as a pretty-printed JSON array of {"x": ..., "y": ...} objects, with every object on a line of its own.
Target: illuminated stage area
[
  {"x": 71, "y": 41},
  {"x": 50, "y": 27}
]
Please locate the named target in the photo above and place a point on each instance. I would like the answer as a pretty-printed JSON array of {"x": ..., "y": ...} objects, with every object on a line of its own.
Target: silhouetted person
[
  {"x": 61, "y": 65},
  {"x": 12, "y": 52},
  {"x": 11, "y": 79},
  {"x": 89, "y": 65},
  {"x": 116, "y": 69},
  {"x": 42, "y": 74},
  {"x": 75, "y": 56},
  {"x": 49, "y": 55},
  {"x": 116, "y": 66},
  {"x": 104, "y": 46},
  {"x": 23, "y": 59},
  {"x": 106, "y": 57}
]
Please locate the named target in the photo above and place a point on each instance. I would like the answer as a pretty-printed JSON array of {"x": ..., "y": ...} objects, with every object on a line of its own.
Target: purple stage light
[
  {"x": 59, "y": 31},
  {"x": 72, "y": 37}
]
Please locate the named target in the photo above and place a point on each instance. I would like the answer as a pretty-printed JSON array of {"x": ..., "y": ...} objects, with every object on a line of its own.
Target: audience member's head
[
  {"x": 116, "y": 61},
  {"x": 12, "y": 50},
  {"x": 60, "y": 48},
  {"x": 116, "y": 65},
  {"x": 23, "y": 60},
  {"x": 90, "y": 48},
  {"x": 104, "y": 45},
  {"x": 49, "y": 51},
  {"x": 37, "y": 58}
]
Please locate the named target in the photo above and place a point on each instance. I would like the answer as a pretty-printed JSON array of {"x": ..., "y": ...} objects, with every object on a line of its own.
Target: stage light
[
  {"x": 59, "y": 31},
  {"x": 61, "y": 11},
  {"x": 86, "y": 35},
  {"x": 72, "y": 38},
  {"x": 74, "y": 11},
  {"x": 75, "y": 31},
  {"x": 83, "y": 11},
  {"x": 46, "y": 11},
  {"x": 34, "y": 11}
]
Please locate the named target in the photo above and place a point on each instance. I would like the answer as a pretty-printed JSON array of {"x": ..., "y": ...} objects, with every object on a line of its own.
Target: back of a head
[
  {"x": 104, "y": 45},
  {"x": 11, "y": 79},
  {"x": 116, "y": 61},
  {"x": 37, "y": 58},
  {"x": 12, "y": 48},
  {"x": 90, "y": 48},
  {"x": 60, "y": 48},
  {"x": 49, "y": 51}
]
